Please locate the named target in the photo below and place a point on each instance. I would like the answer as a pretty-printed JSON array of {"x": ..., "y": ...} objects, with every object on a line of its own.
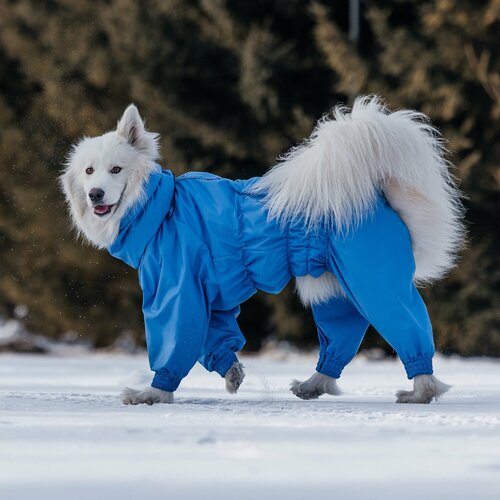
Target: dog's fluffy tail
[{"x": 334, "y": 178}]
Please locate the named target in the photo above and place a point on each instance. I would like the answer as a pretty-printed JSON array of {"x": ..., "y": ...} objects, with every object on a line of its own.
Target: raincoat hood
[{"x": 143, "y": 219}]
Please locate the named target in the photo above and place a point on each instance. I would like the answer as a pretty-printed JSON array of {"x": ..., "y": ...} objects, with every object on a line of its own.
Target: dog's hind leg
[
  {"x": 425, "y": 389},
  {"x": 234, "y": 377},
  {"x": 340, "y": 330},
  {"x": 315, "y": 386}
]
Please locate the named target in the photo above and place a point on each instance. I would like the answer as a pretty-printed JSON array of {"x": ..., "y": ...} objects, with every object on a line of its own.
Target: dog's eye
[
  {"x": 116, "y": 170},
  {"x": 89, "y": 170}
]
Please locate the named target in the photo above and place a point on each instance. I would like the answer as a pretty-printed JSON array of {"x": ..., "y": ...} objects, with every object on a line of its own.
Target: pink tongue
[{"x": 101, "y": 209}]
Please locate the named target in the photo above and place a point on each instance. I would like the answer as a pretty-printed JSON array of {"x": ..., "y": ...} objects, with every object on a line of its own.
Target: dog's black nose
[{"x": 96, "y": 195}]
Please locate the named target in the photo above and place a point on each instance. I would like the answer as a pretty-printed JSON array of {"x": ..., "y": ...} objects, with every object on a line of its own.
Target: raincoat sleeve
[
  {"x": 178, "y": 287},
  {"x": 224, "y": 339}
]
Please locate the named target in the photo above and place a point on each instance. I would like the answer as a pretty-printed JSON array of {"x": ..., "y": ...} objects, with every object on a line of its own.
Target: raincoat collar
[{"x": 144, "y": 218}]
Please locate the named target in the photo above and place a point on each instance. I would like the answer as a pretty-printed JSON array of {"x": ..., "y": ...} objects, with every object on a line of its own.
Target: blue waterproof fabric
[{"x": 202, "y": 246}]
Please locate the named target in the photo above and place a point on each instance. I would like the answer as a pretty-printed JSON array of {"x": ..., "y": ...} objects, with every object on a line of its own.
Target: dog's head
[{"x": 105, "y": 175}]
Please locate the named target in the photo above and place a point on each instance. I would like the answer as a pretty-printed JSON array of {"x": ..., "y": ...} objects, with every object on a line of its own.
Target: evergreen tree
[{"x": 230, "y": 85}]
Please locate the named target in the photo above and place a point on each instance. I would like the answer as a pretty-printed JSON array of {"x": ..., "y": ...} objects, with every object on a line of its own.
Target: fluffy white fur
[
  {"x": 234, "y": 377},
  {"x": 333, "y": 179},
  {"x": 425, "y": 389},
  {"x": 149, "y": 396},
  {"x": 317, "y": 290},
  {"x": 315, "y": 386},
  {"x": 129, "y": 147}
]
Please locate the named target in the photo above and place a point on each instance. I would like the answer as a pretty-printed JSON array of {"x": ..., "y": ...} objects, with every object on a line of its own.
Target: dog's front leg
[
  {"x": 234, "y": 377},
  {"x": 149, "y": 396},
  {"x": 315, "y": 386}
]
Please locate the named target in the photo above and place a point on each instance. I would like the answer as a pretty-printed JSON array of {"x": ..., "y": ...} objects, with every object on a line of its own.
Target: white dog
[{"x": 332, "y": 181}]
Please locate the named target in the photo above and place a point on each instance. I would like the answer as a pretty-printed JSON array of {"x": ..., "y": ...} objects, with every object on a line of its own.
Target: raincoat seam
[
  {"x": 171, "y": 210},
  {"x": 308, "y": 247},
  {"x": 239, "y": 228},
  {"x": 287, "y": 248}
]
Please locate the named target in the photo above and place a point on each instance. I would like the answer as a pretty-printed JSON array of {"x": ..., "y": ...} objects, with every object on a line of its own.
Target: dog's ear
[{"x": 131, "y": 127}]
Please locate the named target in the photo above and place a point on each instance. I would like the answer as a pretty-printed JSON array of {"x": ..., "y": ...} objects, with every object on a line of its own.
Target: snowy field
[{"x": 65, "y": 435}]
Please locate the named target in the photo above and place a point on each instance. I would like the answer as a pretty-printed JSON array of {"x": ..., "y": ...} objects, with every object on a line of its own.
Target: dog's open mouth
[{"x": 102, "y": 210}]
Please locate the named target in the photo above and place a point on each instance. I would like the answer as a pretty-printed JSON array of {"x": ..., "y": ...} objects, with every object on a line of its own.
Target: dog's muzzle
[{"x": 96, "y": 196}]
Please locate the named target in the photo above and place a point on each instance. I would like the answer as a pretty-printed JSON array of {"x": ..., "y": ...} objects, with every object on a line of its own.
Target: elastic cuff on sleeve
[
  {"x": 418, "y": 366},
  {"x": 330, "y": 366},
  {"x": 224, "y": 362},
  {"x": 166, "y": 381}
]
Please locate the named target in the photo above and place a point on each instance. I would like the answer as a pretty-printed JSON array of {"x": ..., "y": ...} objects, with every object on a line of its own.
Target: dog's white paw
[
  {"x": 234, "y": 377},
  {"x": 315, "y": 386},
  {"x": 149, "y": 396},
  {"x": 425, "y": 389}
]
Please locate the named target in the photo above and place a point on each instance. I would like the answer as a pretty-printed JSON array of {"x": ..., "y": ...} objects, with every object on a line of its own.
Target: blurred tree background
[{"x": 230, "y": 85}]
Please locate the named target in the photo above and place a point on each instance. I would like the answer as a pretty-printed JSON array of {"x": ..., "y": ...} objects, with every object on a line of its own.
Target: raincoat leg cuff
[
  {"x": 418, "y": 366},
  {"x": 165, "y": 381},
  {"x": 330, "y": 366},
  {"x": 224, "y": 362}
]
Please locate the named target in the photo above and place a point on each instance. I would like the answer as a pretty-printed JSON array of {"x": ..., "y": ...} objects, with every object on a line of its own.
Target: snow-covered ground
[{"x": 65, "y": 435}]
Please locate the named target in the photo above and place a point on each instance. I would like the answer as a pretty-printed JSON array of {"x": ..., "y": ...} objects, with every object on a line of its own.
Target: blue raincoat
[{"x": 202, "y": 245}]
